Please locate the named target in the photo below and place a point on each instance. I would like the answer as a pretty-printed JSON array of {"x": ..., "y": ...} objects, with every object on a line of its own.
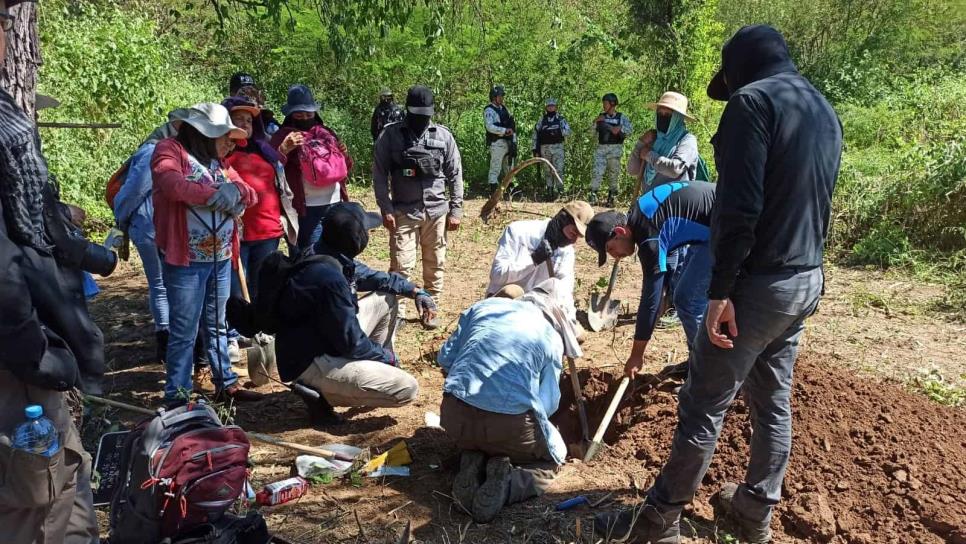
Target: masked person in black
[
  {"x": 48, "y": 343},
  {"x": 416, "y": 162},
  {"x": 386, "y": 112},
  {"x": 778, "y": 148}
]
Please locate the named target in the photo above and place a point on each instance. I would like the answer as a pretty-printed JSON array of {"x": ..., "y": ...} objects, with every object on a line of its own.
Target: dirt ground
[{"x": 871, "y": 462}]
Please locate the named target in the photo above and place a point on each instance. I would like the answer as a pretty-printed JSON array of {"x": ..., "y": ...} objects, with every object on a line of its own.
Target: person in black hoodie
[
  {"x": 48, "y": 343},
  {"x": 777, "y": 150}
]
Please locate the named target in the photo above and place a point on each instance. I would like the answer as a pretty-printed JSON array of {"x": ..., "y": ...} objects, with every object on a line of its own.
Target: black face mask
[
  {"x": 417, "y": 123},
  {"x": 663, "y": 122},
  {"x": 304, "y": 124},
  {"x": 555, "y": 230},
  {"x": 386, "y": 100}
]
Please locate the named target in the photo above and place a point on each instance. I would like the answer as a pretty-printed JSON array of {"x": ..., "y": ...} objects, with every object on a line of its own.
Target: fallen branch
[{"x": 497, "y": 195}]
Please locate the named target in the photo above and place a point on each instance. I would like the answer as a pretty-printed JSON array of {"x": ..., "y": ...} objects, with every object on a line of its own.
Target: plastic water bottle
[{"x": 38, "y": 434}]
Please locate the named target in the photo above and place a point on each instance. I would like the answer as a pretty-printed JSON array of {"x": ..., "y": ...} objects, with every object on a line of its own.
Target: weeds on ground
[{"x": 934, "y": 386}]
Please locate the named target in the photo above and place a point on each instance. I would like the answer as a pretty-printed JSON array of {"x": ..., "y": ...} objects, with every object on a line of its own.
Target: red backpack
[
  {"x": 179, "y": 470},
  {"x": 322, "y": 162}
]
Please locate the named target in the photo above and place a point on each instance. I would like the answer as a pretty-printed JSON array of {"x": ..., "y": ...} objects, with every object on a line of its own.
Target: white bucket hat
[
  {"x": 675, "y": 102},
  {"x": 210, "y": 119}
]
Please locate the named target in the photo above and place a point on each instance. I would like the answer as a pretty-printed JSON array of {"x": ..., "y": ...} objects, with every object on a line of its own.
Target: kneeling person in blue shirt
[
  {"x": 667, "y": 217},
  {"x": 503, "y": 366}
]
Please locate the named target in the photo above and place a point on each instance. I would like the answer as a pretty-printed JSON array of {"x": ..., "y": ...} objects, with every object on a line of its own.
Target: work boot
[
  {"x": 237, "y": 394},
  {"x": 161, "y": 349},
  {"x": 321, "y": 413},
  {"x": 469, "y": 478},
  {"x": 643, "y": 523},
  {"x": 593, "y": 197},
  {"x": 610, "y": 200},
  {"x": 491, "y": 497},
  {"x": 753, "y": 532}
]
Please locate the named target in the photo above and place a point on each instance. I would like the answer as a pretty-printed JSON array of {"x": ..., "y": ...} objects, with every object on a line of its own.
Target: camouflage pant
[
  {"x": 555, "y": 154},
  {"x": 607, "y": 158},
  {"x": 499, "y": 161}
]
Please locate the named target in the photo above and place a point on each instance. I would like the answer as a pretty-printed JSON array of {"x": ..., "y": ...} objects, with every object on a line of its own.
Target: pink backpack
[{"x": 321, "y": 160}]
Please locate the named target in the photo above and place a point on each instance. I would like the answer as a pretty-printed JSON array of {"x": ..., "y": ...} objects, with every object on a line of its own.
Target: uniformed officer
[
  {"x": 612, "y": 128},
  {"x": 500, "y": 135},
  {"x": 386, "y": 111},
  {"x": 548, "y": 142},
  {"x": 415, "y": 161}
]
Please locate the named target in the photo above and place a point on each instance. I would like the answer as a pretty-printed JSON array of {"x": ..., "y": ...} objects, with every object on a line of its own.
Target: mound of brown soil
[{"x": 870, "y": 461}]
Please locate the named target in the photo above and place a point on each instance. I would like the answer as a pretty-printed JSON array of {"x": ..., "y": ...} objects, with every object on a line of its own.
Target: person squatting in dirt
[
  {"x": 503, "y": 364},
  {"x": 667, "y": 217},
  {"x": 49, "y": 345},
  {"x": 328, "y": 338},
  {"x": 414, "y": 163},
  {"x": 530, "y": 251},
  {"x": 777, "y": 150}
]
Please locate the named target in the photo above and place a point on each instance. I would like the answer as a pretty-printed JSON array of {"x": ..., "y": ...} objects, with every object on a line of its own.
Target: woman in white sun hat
[{"x": 669, "y": 152}]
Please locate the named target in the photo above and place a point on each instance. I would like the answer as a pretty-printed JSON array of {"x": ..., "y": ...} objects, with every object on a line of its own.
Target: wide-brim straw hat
[
  {"x": 210, "y": 119},
  {"x": 675, "y": 102}
]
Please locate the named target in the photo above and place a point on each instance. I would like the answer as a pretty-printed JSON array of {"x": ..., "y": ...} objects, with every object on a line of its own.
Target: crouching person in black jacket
[{"x": 329, "y": 339}]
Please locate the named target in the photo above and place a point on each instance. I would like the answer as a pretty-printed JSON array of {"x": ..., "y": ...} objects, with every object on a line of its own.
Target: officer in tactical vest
[
  {"x": 501, "y": 135},
  {"x": 415, "y": 161},
  {"x": 387, "y": 111},
  {"x": 548, "y": 142},
  {"x": 612, "y": 127}
]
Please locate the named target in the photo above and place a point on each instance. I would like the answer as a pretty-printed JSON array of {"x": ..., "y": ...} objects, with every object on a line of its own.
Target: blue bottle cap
[{"x": 34, "y": 411}]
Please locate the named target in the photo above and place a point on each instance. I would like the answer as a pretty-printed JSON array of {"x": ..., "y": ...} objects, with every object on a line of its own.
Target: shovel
[
  {"x": 608, "y": 415},
  {"x": 602, "y": 313}
]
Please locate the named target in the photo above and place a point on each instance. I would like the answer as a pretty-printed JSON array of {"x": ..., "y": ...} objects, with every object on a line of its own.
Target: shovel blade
[{"x": 602, "y": 314}]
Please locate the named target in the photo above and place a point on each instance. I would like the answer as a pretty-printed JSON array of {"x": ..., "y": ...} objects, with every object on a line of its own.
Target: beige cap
[
  {"x": 581, "y": 212},
  {"x": 673, "y": 101},
  {"x": 511, "y": 291}
]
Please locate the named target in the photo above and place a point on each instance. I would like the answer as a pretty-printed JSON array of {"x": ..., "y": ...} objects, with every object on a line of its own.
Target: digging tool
[
  {"x": 602, "y": 313},
  {"x": 251, "y": 436},
  {"x": 497, "y": 195},
  {"x": 608, "y": 415}
]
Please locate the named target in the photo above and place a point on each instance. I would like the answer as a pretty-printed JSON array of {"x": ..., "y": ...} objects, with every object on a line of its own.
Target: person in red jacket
[
  {"x": 262, "y": 168},
  {"x": 197, "y": 200},
  {"x": 311, "y": 202}
]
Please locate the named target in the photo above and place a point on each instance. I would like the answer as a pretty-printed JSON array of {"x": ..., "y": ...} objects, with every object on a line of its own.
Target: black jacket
[
  {"x": 318, "y": 314},
  {"x": 777, "y": 149}
]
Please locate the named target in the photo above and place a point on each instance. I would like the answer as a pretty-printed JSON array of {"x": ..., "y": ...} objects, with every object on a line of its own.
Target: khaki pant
[
  {"x": 347, "y": 382},
  {"x": 43, "y": 499},
  {"x": 430, "y": 236},
  {"x": 516, "y": 436}
]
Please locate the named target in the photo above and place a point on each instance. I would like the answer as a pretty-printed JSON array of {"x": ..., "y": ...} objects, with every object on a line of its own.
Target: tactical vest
[
  {"x": 386, "y": 114},
  {"x": 421, "y": 160},
  {"x": 506, "y": 121},
  {"x": 551, "y": 130},
  {"x": 604, "y": 135}
]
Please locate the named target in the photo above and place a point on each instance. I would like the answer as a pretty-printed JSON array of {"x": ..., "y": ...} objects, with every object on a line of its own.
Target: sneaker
[
  {"x": 669, "y": 320},
  {"x": 469, "y": 478},
  {"x": 491, "y": 497},
  {"x": 237, "y": 394},
  {"x": 234, "y": 352},
  {"x": 161, "y": 349},
  {"x": 752, "y": 532},
  {"x": 643, "y": 525}
]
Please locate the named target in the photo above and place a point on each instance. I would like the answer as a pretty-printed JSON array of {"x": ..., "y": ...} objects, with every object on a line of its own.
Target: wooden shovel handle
[{"x": 611, "y": 409}]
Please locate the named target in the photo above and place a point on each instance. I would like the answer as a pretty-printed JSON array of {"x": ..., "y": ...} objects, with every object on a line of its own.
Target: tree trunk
[{"x": 18, "y": 75}]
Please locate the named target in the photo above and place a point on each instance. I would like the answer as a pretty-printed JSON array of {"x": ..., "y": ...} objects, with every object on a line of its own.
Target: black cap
[
  {"x": 610, "y": 97},
  {"x": 239, "y": 80},
  {"x": 496, "y": 91},
  {"x": 599, "y": 232},
  {"x": 420, "y": 101},
  {"x": 346, "y": 226}
]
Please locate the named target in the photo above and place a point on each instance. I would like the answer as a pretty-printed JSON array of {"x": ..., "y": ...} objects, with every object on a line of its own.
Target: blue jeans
[
  {"x": 250, "y": 258},
  {"x": 691, "y": 290},
  {"x": 675, "y": 267},
  {"x": 310, "y": 226},
  {"x": 770, "y": 311},
  {"x": 192, "y": 293},
  {"x": 151, "y": 261}
]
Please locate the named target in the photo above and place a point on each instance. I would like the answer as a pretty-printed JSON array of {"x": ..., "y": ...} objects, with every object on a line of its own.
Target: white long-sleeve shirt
[{"x": 513, "y": 263}]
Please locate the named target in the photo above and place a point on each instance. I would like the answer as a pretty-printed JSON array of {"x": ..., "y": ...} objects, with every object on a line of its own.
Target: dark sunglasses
[{"x": 6, "y": 21}]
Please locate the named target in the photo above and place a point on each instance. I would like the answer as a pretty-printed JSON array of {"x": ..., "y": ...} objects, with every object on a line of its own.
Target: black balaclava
[
  {"x": 753, "y": 53},
  {"x": 417, "y": 123},
  {"x": 420, "y": 106},
  {"x": 555, "y": 230},
  {"x": 663, "y": 122},
  {"x": 304, "y": 124}
]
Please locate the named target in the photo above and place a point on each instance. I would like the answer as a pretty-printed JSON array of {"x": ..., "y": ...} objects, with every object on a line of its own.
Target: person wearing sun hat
[
  {"x": 527, "y": 245},
  {"x": 197, "y": 200},
  {"x": 668, "y": 152}
]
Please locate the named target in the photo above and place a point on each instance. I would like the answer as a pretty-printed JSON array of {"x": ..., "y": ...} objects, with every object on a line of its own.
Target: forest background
[{"x": 895, "y": 70}]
